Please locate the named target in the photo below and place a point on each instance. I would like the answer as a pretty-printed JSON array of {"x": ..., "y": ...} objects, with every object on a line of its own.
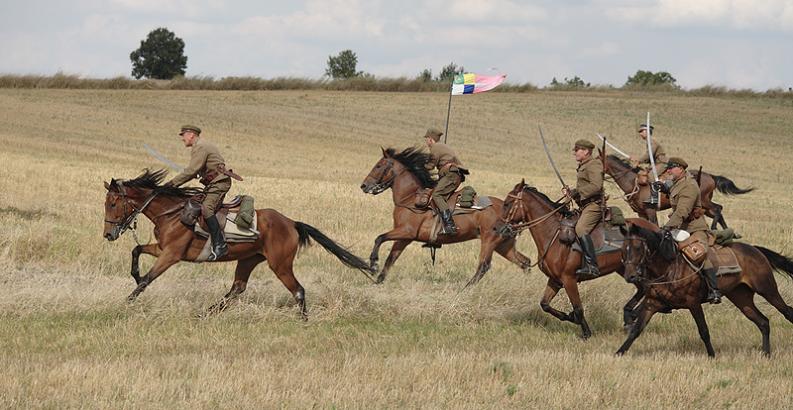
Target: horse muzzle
[
  {"x": 373, "y": 189},
  {"x": 113, "y": 234}
]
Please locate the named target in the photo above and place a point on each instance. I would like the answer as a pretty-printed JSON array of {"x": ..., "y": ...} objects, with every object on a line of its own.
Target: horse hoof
[{"x": 379, "y": 280}]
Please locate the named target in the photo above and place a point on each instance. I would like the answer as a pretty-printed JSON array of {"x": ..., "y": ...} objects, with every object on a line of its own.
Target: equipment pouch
[
  {"x": 694, "y": 250},
  {"x": 567, "y": 231},
  {"x": 466, "y": 199}
]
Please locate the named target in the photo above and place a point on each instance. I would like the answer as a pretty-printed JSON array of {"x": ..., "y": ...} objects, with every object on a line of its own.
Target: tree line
[{"x": 161, "y": 56}]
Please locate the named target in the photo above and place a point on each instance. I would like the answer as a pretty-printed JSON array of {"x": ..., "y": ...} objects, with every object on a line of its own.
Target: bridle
[
  {"x": 640, "y": 266},
  {"x": 128, "y": 221},
  {"x": 514, "y": 228},
  {"x": 381, "y": 186}
]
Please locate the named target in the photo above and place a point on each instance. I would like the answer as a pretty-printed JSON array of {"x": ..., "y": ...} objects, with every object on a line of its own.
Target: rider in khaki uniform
[
  {"x": 451, "y": 174},
  {"x": 687, "y": 215},
  {"x": 206, "y": 163},
  {"x": 588, "y": 194},
  {"x": 659, "y": 155}
]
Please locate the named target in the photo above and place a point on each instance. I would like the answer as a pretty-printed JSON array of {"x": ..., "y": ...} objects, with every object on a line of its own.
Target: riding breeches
[
  {"x": 214, "y": 194},
  {"x": 445, "y": 187},
  {"x": 589, "y": 219}
]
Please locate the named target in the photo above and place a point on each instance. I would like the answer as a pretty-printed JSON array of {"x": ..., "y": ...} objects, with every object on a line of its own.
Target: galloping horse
[
  {"x": 624, "y": 176},
  {"x": 278, "y": 242},
  {"x": 652, "y": 260},
  {"x": 405, "y": 174},
  {"x": 528, "y": 208}
]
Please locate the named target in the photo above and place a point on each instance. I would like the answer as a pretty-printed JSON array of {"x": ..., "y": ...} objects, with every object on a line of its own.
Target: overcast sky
[{"x": 735, "y": 43}]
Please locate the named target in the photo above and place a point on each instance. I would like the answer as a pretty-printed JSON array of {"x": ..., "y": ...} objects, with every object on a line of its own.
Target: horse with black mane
[
  {"x": 404, "y": 173},
  {"x": 526, "y": 208},
  {"x": 653, "y": 261},
  {"x": 636, "y": 194},
  {"x": 279, "y": 239}
]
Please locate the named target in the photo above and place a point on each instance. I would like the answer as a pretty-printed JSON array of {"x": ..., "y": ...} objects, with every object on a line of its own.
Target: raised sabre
[
  {"x": 655, "y": 194},
  {"x": 610, "y": 145},
  {"x": 553, "y": 165},
  {"x": 163, "y": 159}
]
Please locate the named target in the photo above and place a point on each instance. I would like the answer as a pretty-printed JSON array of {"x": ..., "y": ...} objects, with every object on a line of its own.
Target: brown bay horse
[
  {"x": 670, "y": 282},
  {"x": 624, "y": 175},
  {"x": 278, "y": 243},
  {"x": 404, "y": 173},
  {"x": 527, "y": 208}
]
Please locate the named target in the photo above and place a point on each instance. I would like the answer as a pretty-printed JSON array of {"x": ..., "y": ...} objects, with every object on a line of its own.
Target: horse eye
[{"x": 113, "y": 205}]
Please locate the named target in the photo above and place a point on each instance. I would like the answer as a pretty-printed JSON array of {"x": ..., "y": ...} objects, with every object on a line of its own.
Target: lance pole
[{"x": 448, "y": 111}]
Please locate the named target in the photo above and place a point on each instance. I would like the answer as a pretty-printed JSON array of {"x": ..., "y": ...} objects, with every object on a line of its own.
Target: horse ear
[
  {"x": 385, "y": 153},
  {"x": 107, "y": 186},
  {"x": 523, "y": 181}
]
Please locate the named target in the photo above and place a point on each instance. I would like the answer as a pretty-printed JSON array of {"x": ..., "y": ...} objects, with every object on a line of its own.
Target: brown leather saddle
[
  {"x": 192, "y": 211},
  {"x": 424, "y": 201}
]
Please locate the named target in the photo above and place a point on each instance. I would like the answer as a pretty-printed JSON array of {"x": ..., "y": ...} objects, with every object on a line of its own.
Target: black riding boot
[
  {"x": 714, "y": 296},
  {"x": 449, "y": 228},
  {"x": 219, "y": 247},
  {"x": 589, "y": 262}
]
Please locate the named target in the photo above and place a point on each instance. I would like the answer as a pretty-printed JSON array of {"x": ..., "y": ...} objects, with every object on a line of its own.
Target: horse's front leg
[
  {"x": 570, "y": 283},
  {"x": 551, "y": 290},
  {"x": 152, "y": 249},
  {"x": 629, "y": 310},
  {"x": 391, "y": 235},
  {"x": 645, "y": 313},
  {"x": 167, "y": 258}
]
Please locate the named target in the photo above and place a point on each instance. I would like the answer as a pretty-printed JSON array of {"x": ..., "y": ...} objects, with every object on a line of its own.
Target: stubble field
[{"x": 69, "y": 339}]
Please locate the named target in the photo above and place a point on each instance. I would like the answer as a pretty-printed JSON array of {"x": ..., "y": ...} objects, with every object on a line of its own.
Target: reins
[{"x": 523, "y": 225}]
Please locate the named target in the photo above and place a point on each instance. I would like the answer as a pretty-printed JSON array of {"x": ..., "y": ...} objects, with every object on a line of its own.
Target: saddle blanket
[
  {"x": 724, "y": 258},
  {"x": 232, "y": 232}
]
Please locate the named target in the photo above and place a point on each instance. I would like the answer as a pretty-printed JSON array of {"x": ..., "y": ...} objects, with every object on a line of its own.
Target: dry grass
[{"x": 68, "y": 339}]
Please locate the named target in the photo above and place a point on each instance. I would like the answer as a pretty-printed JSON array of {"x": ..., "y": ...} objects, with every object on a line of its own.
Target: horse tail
[
  {"x": 727, "y": 187},
  {"x": 779, "y": 262},
  {"x": 306, "y": 232}
]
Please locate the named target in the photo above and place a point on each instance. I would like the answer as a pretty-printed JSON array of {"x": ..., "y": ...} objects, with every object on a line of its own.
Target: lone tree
[
  {"x": 343, "y": 65},
  {"x": 648, "y": 78},
  {"x": 160, "y": 56},
  {"x": 448, "y": 72}
]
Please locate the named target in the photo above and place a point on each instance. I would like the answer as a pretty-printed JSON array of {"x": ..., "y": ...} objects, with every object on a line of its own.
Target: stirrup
[
  {"x": 218, "y": 252},
  {"x": 714, "y": 297}
]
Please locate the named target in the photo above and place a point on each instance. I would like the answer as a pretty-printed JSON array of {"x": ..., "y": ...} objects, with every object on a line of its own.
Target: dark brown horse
[
  {"x": 624, "y": 176},
  {"x": 405, "y": 174},
  {"x": 670, "y": 282},
  {"x": 527, "y": 208},
  {"x": 278, "y": 243}
]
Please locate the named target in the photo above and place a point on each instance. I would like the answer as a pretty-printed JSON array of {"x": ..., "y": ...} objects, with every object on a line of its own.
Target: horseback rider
[
  {"x": 451, "y": 173},
  {"x": 659, "y": 155},
  {"x": 588, "y": 194},
  {"x": 688, "y": 215},
  {"x": 206, "y": 163}
]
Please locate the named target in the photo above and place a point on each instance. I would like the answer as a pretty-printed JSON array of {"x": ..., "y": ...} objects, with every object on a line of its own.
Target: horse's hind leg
[
  {"x": 241, "y": 276},
  {"x": 283, "y": 270},
  {"x": 702, "y": 327},
  {"x": 715, "y": 212},
  {"x": 775, "y": 299},
  {"x": 507, "y": 250},
  {"x": 149, "y": 249},
  {"x": 743, "y": 298},
  {"x": 485, "y": 258}
]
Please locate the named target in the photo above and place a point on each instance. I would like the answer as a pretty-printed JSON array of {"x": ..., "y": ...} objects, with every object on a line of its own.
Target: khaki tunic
[
  {"x": 205, "y": 159},
  {"x": 450, "y": 170},
  {"x": 588, "y": 185},
  {"x": 659, "y": 155},
  {"x": 684, "y": 197}
]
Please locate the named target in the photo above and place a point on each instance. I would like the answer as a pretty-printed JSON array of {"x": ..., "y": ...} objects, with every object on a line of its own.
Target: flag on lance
[{"x": 470, "y": 83}]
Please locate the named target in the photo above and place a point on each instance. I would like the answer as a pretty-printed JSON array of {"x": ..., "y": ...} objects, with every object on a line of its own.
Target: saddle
[
  {"x": 606, "y": 236},
  {"x": 465, "y": 199},
  {"x": 237, "y": 210}
]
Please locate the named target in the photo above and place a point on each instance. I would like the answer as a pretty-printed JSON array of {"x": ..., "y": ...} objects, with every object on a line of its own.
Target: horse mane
[
  {"x": 414, "y": 159},
  {"x": 656, "y": 242},
  {"x": 564, "y": 211},
  {"x": 152, "y": 179},
  {"x": 623, "y": 161}
]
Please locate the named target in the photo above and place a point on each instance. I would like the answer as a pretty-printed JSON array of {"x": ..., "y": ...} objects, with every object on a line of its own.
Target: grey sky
[{"x": 736, "y": 43}]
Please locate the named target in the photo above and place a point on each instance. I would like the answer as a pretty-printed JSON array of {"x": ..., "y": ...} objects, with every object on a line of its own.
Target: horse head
[
  {"x": 117, "y": 209},
  {"x": 382, "y": 174},
  {"x": 646, "y": 252}
]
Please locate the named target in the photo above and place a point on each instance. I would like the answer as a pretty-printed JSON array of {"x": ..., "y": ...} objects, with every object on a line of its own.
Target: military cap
[
  {"x": 190, "y": 128},
  {"x": 433, "y": 133},
  {"x": 676, "y": 162},
  {"x": 644, "y": 127},
  {"x": 586, "y": 144}
]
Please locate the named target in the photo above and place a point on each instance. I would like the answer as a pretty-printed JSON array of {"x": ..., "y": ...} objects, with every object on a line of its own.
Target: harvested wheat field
[{"x": 69, "y": 338}]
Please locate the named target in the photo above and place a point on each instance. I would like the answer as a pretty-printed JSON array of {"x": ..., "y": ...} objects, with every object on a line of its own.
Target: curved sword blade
[
  {"x": 162, "y": 158},
  {"x": 610, "y": 145},
  {"x": 553, "y": 165}
]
